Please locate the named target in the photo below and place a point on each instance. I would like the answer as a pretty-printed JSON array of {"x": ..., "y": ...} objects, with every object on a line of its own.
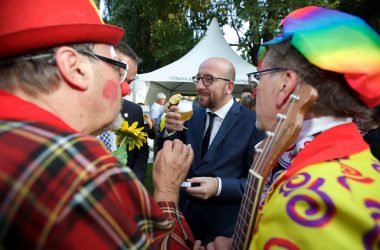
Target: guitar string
[
  {"x": 240, "y": 231},
  {"x": 258, "y": 161},
  {"x": 242, "y": 226},
  {"x": 267, "y": 147},
  {"x": 308, "y": 97}
]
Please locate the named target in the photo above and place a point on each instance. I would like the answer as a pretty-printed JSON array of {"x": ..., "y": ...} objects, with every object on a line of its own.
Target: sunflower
[{"x": 130, "y": 135}]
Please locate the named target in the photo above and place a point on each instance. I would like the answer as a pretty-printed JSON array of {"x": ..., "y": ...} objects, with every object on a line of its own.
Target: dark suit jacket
[
  {"x": 137, "y": 158},
  {"x": 228, "y": 157}
]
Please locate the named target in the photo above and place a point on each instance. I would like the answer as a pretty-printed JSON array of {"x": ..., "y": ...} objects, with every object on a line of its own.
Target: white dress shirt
[{"x": 218, "y": 120}]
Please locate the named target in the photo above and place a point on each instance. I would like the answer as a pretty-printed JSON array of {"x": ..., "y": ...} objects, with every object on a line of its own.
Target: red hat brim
[{"x": 44, "y": 37}]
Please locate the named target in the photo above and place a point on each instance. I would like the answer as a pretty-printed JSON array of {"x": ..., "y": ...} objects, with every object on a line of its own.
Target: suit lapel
[
  {"x": 194, "y": 136},
  {"x": 126, "y": 112},
  {"x": 228, "y": 122}
]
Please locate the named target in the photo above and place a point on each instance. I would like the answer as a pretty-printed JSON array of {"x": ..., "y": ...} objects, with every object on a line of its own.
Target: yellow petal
[{"x": 134, "y": 125}]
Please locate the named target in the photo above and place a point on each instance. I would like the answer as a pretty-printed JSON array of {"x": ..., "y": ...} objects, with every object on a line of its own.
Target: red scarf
[{"x": 337, "y": 142}]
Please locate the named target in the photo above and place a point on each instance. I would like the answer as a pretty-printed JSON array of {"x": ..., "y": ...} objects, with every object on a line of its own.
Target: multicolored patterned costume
[
  {"x": 61, "y": 189},
  {"x": 329, "y": 198}
]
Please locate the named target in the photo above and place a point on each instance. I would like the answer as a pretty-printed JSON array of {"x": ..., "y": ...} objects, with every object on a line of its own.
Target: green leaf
[{"x": 121, "y": 154}]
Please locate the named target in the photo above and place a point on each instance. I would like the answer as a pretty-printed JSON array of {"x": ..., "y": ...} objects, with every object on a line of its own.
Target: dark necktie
[{"x": 206, "y": 138}]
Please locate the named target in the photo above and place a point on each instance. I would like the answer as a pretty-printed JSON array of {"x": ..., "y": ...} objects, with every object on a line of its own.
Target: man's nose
[{"x": 200, "y": 85}]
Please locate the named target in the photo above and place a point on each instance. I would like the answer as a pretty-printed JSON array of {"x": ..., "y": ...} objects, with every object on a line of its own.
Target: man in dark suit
[
  {"x": 131, "y": 112},
  {"x": 137, "y": 158},
  {"x": 372, "y": 136},
  {"x": 223, "y": 135}
]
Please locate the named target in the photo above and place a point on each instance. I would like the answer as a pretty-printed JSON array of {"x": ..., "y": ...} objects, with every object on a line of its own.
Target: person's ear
[
  {"x": 73, "y": 67},
  {"x": 289, "y": 83},
  {"x": 230, "y": 87}
]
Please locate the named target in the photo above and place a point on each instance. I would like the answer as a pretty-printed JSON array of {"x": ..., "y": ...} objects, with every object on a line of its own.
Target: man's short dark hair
[
  {"x": 128, "y": 51},
  {"x": 249, "y": 102},
  {"x": 247, "y": 89}
]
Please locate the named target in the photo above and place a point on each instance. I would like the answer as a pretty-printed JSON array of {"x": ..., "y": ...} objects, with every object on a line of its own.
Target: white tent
[{"x": 176, "y": 77}]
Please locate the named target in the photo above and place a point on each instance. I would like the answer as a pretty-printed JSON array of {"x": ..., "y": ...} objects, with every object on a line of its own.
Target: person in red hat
[{"x": 60, "y": 188}]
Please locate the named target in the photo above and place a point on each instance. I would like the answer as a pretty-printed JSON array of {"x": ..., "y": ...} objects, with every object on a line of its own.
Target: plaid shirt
[{"x": 62, "y": 190}]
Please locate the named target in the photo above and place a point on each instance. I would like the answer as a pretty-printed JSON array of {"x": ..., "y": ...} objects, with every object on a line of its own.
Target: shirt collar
[
  {"x": 319, "y": 124},
  {"x": 16, "y": 109},
  {"x": 337, "y": 142},
  {"x": 222, "y": 112}
]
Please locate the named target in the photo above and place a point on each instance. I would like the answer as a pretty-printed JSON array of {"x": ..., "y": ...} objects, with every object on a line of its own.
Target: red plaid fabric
[{"x": 63, "y": 190}]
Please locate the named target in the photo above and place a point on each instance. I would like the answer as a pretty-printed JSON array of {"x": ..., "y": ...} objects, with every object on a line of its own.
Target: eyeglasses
[
  {"x": 207, "y": 80},
  {"x": 257, "y": 75},
  {"x": 122, "y": 67}
]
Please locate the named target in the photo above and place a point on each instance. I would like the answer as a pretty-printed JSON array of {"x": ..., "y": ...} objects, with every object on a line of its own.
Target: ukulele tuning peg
[
  {"x": 294, "y": 97},
  {"x": 269, "y": 133},
  {"x": 258, "y": 150},
  {"x": 281, "y": 117}
]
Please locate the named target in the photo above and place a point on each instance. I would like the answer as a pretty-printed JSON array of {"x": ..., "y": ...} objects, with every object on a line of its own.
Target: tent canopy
[{"x": 176, "y": 77}]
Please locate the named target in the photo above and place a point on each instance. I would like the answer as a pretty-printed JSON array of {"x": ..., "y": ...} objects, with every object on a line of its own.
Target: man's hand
[
  {"x": 220, "y": 243},
  {"x": 148, "y": 121},
  {"x": 208, "y": 187},
  {"x": 170, "y": 169},
  {"x": 198, "y": 246},
  {"x": 173, "y": 120}
]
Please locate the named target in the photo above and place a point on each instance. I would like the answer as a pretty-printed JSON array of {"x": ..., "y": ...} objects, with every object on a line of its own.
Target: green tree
[
  {"x": 162, "y": 31},
  {"x": 256, "y": 21},
  {"x": 157, "y": 30},
  {"x": 97, "y": 3},
  {"x": 366, "y": 9}
]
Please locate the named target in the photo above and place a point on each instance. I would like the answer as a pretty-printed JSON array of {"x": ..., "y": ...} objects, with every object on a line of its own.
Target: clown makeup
[{"x": 110, "y": 90}]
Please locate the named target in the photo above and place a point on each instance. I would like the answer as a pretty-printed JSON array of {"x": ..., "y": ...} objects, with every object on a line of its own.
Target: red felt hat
[{"x": 35, "y": 24}]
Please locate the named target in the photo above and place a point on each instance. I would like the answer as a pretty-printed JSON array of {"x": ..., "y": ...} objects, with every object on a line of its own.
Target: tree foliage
[
  {"x": 255, "y": 21},
  {"x": 161, "y": 31},
  {"x": 156, "y": 29}
]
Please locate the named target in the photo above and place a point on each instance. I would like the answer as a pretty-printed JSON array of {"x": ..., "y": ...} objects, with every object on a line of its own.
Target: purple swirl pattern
[
  {"x": 376, "y": 166},
  {"x": 293, "y": 183},
  {"x": 317, "y": 211},
  {"x": 371, "y": 239},
  {"x": 353, "y": 175}
]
